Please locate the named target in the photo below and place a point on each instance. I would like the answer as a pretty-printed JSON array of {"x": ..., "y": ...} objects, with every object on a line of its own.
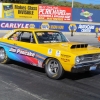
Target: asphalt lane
[{"x": 23, "y": 82}]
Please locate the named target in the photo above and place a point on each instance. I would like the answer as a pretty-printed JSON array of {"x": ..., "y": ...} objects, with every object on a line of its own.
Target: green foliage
[
  {"x": 59, "y": 3},
  {"x": 69, "y": 4}
]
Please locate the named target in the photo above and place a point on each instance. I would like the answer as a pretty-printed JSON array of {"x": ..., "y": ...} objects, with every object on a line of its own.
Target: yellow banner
[
  {"x": 22, "y": 11},
  {"x": 25, "y": 11}
]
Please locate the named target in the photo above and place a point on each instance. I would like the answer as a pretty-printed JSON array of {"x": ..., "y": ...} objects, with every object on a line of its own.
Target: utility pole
[{"x": 72, "y": 3}]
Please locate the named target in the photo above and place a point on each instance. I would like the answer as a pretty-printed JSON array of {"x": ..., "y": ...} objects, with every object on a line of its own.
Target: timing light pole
[{"x": 72, "y": 3}]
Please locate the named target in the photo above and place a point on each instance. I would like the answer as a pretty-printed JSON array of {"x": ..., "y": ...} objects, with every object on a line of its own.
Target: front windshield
[{"x": 50, "y": 37}]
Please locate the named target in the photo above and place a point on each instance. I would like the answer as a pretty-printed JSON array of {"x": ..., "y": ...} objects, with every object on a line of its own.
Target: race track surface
[{"x": 23, "y": 82}]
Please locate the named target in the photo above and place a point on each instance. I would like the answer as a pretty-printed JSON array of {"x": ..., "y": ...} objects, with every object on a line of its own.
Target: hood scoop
[
  {"x": 74, "y": 45},
  {"x": 79, "y": 46}
]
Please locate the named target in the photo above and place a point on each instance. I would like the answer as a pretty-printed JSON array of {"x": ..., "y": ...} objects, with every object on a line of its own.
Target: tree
[
  {"x": 55, "y": 2},
  {"x": 34, "y": 1}
]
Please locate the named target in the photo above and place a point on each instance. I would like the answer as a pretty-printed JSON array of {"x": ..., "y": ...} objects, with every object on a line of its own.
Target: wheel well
[
  {"x": 1, "y": 47},
  {"x": 47, "y": 59}
]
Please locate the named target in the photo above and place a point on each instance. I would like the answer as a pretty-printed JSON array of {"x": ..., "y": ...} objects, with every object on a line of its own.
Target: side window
[
  {"x": 15, "y": 36},
  {"x": 27, "y": 37},
  {"x": 58, "y": 37}
]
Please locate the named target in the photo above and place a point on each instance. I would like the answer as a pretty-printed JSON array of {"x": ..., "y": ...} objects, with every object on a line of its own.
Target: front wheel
[
  {"x": 53, "y": 69},
  {"x": 3, "y": 56}
]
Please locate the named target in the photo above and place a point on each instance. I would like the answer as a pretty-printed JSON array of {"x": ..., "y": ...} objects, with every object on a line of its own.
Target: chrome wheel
[
  {"x": 53, "y": 67},
  {"x": 2, "y": 54}
]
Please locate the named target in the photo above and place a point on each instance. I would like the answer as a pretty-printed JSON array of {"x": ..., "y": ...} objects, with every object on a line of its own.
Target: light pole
[{"x": 72, "y": 3}]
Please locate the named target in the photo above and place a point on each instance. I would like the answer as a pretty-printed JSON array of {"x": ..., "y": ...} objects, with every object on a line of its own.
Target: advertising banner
[
  {"x": 8, "y": 10},
  {"x": 9, "y": 25},
  {"x": 86, "y": 28},
  {"x": 64, "y": 27},
  {"x": 85, "y": 15},
  {"x": 26, "y": 11},
  {"x": 22, "y": 11},
  {"x": 55, "y": 13}
]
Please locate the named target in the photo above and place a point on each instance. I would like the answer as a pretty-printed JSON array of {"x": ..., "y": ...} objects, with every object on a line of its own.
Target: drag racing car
[{"x": 48, "y": 49}]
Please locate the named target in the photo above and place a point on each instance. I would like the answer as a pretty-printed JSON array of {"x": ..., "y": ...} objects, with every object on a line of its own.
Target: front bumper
[{"x": 86, "y": 67}]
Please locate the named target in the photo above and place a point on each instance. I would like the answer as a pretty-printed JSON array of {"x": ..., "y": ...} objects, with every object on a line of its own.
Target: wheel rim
[
  {"x": 2, "y": 54},
  {"x": 53, "y": 67}
]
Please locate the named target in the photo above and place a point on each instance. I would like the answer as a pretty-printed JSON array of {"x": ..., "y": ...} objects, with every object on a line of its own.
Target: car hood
[{"x": 73, "y": 47}]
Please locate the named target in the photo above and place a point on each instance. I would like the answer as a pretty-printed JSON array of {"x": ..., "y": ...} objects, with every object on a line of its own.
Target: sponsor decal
[
  {"x": 86, "y": 14},
  {"x": 65, "y": 60},
  {"x": 45, "y": 25},
  {"x": 65, "y": 56},
  {"x": 49, "y": 51},
  {"x": 40, "y": 57},
  {"x": 8, "y": 10},
  {"x": 22, "y": 52},
  {"x": 31, "y": 26},
  {"x": 57, "y": 27},
  {"x": 72, "y": 27},
  {"x": 16, "y": 25},
  {"x": 86, "y": 28},
  {"x": 65, "y": 45},
  {"x": 58, "y": 53},
  {"x": 39, "y": 63}
]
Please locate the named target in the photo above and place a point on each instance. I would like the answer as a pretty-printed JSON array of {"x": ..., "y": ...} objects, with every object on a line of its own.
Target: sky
[{"x": 87, "y": 1}]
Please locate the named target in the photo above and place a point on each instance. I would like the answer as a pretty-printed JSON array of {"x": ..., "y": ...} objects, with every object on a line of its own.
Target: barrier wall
[
  {"x": 53, "y": 17},
  {"x": 64, "y": 27}
]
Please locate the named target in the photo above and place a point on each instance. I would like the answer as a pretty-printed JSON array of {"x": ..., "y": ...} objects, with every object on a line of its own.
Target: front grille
[{"x": 90, "y": 57}]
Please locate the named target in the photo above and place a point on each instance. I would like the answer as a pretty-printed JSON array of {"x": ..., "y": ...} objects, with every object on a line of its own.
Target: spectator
[
  {"x": 96, "y": 31},
  {"x": 72, "y": 30}
]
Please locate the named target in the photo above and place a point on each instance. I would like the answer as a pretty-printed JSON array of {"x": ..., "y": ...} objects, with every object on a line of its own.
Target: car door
[
  {"x": 26, "y": 48},
  {"x": 23, "y": 48},
  {"x": 8, "y": 43}
]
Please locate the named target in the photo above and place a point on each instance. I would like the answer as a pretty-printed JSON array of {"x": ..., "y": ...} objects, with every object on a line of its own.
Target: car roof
[{"x": 34, "y": 29}]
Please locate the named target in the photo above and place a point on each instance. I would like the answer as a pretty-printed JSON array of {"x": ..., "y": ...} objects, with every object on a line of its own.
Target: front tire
[
  {"x": 53, "y": 69},
  {"x": 3, "y": 56}
]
